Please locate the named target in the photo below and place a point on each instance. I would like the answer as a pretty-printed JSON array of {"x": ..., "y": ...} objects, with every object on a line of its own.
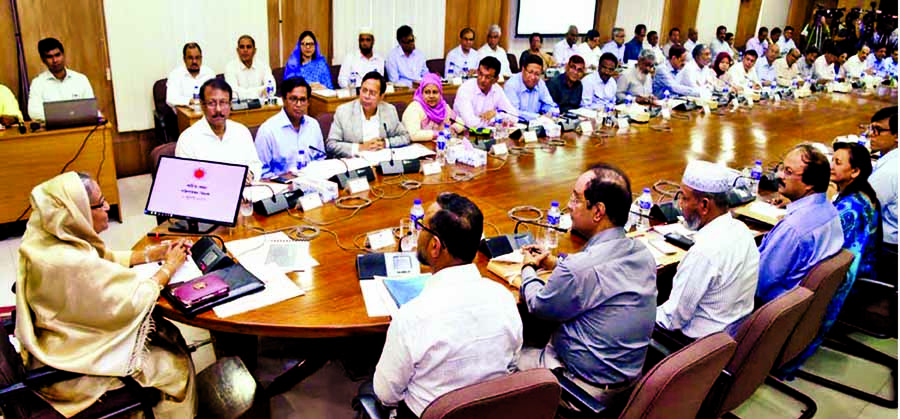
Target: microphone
[
  {"x": 518, "y": 117},
  {"x": 324, "y": 154},
  {"x": 538, "y": 224}
]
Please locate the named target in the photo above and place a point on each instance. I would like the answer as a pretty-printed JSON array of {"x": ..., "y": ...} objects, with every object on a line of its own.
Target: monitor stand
[{"x": 191, "y": 227}]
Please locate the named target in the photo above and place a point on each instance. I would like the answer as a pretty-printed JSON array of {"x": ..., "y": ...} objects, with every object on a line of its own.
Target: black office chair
[{"x": 164, "y": 120}]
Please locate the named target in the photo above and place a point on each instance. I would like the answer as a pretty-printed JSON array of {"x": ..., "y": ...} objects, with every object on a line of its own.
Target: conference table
[
  {"x": 320, "y": 103},
  {"x": 36, "y": 156},
  {"x": 248, "y": 117}
]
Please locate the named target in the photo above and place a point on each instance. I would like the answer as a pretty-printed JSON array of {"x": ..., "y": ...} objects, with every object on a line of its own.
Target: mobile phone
[{"x": 281, "y": 179}]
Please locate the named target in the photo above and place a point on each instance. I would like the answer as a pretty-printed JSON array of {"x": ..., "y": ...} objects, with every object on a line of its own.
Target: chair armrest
[
  {"x": 576, "y": 395},
  {"x": 37, "y": 378},
  {"x": 368, "y": 404}
]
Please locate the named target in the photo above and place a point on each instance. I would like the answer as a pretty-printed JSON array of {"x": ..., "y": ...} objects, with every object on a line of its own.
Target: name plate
[
  {"x": 358, "y": 184},
  {"x": 310, "y": 201},
  {"x": 431, "y": 168},
  {"x": 623, "y": 126},
  {"x": 530, "y": 137},
  {"x": 343, "y": 94},
  {"x": 500, "y": 149},
  {"x": 777, "y": 97},
  {"x": 666, "y": 113},
  {"x": 706, "y": 109},
  {"x": 381, "y": 239},
  {"x": 586, "y": 127},
  {"x": 457, "y": 81}
]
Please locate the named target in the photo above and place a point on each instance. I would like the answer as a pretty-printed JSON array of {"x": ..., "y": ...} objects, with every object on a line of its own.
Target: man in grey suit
[{"x": 366, "y": 124}]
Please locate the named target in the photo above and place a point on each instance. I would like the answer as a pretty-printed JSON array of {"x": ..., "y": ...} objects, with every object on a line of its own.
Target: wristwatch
[{"x": 534, "y": 266}]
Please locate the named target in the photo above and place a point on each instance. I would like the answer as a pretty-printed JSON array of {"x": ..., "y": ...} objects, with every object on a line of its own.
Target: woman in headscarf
[
  {"x": 80, "y": 308},
  {"x": 722, "y": 63},
  {"x": 306, "y": 61},
  {"x": 426, "y": 115}
]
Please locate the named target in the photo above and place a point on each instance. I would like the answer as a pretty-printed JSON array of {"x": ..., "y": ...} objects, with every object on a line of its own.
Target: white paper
[
  {"x": 278, "y": 288},
  {"x": 657, "y": 255},
  {"x": 677, "y": 228},
  {"x": 767, "y": 209},
  {"x": 410, "y": 152},
  {"x": 186, "y": 272},
  {"x": 325, "y": 93},
  {"x": 431, "y": 168},
  {"x": 530, "y": 137},
  {"x": 587, "y": 113},
  {"x": 373, "y": 294},
  {"x": 515, "y": 257},
  {"x": 255, "y": 251},
  {"x": 324, "y": 169},
  {"x": 358, "y": 184},
  {"x": 258, "y": 191}
]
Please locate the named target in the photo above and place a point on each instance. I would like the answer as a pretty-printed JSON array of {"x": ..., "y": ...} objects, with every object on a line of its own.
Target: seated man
[
  {"x": 884, "y": 173},
  {"x": 697, "y": 73},
  {"x": 535, "y": 41},
  {"x": 604, "y": 296},
  {"x": 216, "y": 138},
  {"x": 692, "y": 37},
  {"x": 805, "y": 66},
  {"x": 57, "y": 83},
  {"x": 247, "y": 76},
  {"x": 674, "y": 39},
  {"x": 823, "y": 68},
  {"x": 492, "y": 48},
  {"x": 367, "y": 123},
  {"x": 433, "y": 346},
  {"x": 876, "y": 60},
  {"x": 527, "y": 91},
  {"x": 786, "y": 43},
  {"x": 478, "y": 100},
  {"x": 666, "y": 77},
  {"x": 590, "y": 49},
  {"x": 716, "y": 280},
  {"x": 405, "y": 64},
  {"x": 282, "y": 137},
  {"x": 855, "y": 66},
  {"x": 811, "y": 229},
  {"x": 10, "y": 114},
  {"x": 566, "y": 89},
  {"x": 616, "y": 47},
  {"x": 567, "y": 47},
  {"x": 362, "y": 61},
  {"x": 463, "y": 58},
  {"x": 743, "y": 75},
  {"x": 184, "y": 79},
  {"x": 719, "y": 45},
  {"x": 653, "y": 42},
  {"x": 765, "y": 68},
  {"x": 759, "y": 43},
  {"x": 638, "y": 80},
  {"x": 787, "y": 68},
  {"x": 600, "y": 86},
  {"x": 634, "y": 47}
]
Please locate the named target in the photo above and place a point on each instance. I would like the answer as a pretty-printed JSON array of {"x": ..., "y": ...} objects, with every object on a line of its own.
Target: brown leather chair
[
  {"x": 335, "y": 71},
  {"x": 759, "y": 342},
  {"x": 513, "y": 64},
  {"x": 436, "y": 66},
  {"x": 167, "y": 149},
  {"x": 401, "y": 107},
  {"x": 278, "y": 75},
  {"x": 325, "y": 120},
  {"x": 164, "y": 119}
]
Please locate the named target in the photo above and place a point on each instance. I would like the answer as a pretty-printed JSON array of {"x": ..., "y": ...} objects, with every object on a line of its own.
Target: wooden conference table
[
  {"x": 247, "y": 117},
  {"x": 34, "y": 157},
  {"x": 319, "y": 104},
  {"x": 333, "y": 304}
]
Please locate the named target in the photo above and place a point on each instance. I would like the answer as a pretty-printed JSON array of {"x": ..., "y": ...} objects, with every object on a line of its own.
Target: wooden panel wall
[
  {"x": 681, "y": 14},
  {"x": 478, "y": 15},
  {"x": 296, "y": 17},
  {"x": 606, "y": 20},
  {"x": 748, "y": 16},
  {"x": 9, "y": 69}
]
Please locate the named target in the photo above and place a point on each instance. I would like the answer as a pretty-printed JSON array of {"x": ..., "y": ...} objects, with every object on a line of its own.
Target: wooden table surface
[
  {"x": 333, "y": 304},
  {"x": 247, "y": 117}
]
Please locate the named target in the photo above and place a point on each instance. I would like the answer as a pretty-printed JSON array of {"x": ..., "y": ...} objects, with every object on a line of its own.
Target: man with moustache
[
  {"x": 566, "y": 89},
  {"x": 247, "y": 76},
  {"x": 567, "y": 47},
  {"x": 367, "y": 123},
  {"x": 362, "y": 61},
  {"x": 697, "y": 73},
  {"x": 527, "y": 91},
  {"x": 463, "y": 56},
  {"x": 184, "y": 79},
  {"x": 666, "y": 76}
]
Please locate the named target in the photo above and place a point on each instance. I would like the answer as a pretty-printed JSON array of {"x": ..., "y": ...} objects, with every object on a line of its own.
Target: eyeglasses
[
  {"x": 468, "y": 39},
  {"x": 213, "y": 104},
  {"x": 418, "y": 224},
  {"x": 876, "y": 130},
  {"x": 307, "y": 44},
  {"x": 101, "y": 204},
  {"x": 787, "y": 170},
  {"x": 291, "y": 100}
]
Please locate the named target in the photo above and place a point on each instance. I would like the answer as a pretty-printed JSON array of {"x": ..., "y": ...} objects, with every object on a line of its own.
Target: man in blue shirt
[
  {"x": 635, "y": 45},
  {"x": 811, "y": 229},
  {"x": 285, "y": 135},
  {"x": 527, "y": 91},
  {"x": 405, "y": 64},
  {"x": 664, "y": 79}
]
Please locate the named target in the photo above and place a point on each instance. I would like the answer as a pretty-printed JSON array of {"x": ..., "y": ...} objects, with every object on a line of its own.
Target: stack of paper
[
  {"x": 276, "y": 249},
  {"x": 278, "y": 288},
  {"x": 410, "y": 152},
  {"x": 324, "y": 169},
  {"x": 761, "y": 211}
]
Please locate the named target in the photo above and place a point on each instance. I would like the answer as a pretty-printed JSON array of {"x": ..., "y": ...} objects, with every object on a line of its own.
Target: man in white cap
[
  {"x": 716, "y": 280},
  {"x": 357, "y": 64}
]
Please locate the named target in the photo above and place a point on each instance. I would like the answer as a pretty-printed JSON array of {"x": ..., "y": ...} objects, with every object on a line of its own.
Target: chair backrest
[
  {"x": 278, "y": 75},
  {"x": 167, "y": 149},
  {"x": 401, "y": 107},
  {"x": 12, "y": 371},
  {"x": 759, "y": 341},
  {"x": 325, "y": 119},
  {"x": 436, "y": 66},
  {"x": 526, "y": 394},
  {"x": 677, "y": 385},
  {"x": 335, "y": 70},
  {"x": 159, "y": 95},
  {"x": 513, "y": 63},
  {"x": 823, "y": 280}
]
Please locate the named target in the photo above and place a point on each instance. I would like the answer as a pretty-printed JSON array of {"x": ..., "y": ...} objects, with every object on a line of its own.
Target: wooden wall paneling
[
  {"x": 274, "y": 24},
  {"x": 9, "y": 66},
  {"x": 606, "y": 20},
  {"x": 299, "y": 16},
  {"x": 681, "y": 14},
  {"x": 478, "y": 15},
  {"x": 748, "y": 16},
  {"x": 456, "y": 17},
  {"x": 81, "y": 27}
]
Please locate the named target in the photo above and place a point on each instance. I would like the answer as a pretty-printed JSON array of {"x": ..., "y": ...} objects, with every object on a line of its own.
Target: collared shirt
[
  {"x": 715, "y": 282},
  {"x": 614, "y": 49},
  {"x": 461, "y": 330},
  {"x": 703, "y": 80},
  {"x": 531, "y": 103},
  {"x": 566, "y": 97},
  {"x": 635, "y": 83},
  {"x": 875, "y": 64},
  {"x": 460, "y": 61},
  {"x": 666, "y": 48},
  {"x": 785, "y": 74},
  {"x": 738, "y": 76},
  {"x": 853, "y": 67},
  {"x": 884, "y": 181},
  {"x": 236, "y": 146},
  {"x": 632, "y": 50},
  {"x": 785, "y": 46},
  {"x": 591, "y": 56},
  {"x": 605, "y": 298},
  {"x": 765, "y": 71},
  {"x": 717, "y": 46},
  {"x": 562, "y": 51},
  {"x": 805, "y": 69},
  {"x": 278, "y": 144},
  {"x": 499, "y": 54},
  {"x": 658, "y": 52},
  {"x": 350, "y": 128},
  {"x": 404, "y": 69},
  {"x": 822, "y": 70},
  {"x": 666, "y": 78},
  {"x": 546, "y": 58},
  {"x": 46, "y": 88},
  {"x": 248, "y": 82},
  {"x": 471, "y": 102},
  {"x": 689, "y": 47},
  {"x": 596, "y": 92},
  {"x": 355, "y": 62},
  {"x": 9, "y": 106},
  {"x": 810, "y": 232},
  {"x": 371, "y": 127},
  {"x": 890, "y": 68},
  {"x": 759, "y": 47},
  {"x": 180, "y": 84}
]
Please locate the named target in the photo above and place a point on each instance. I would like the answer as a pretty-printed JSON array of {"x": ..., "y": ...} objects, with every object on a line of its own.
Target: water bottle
[
  {"x": 451, "y": 70},
  {"x": 629, "y": 99},
  {"x": 442, "y": 139},
  {"x": 270, "y": 92},
  {"x": 551, "y": 239},
  {"x": 499, "y": 129},
  {"x": 667, "y": 105},
  {"x": 465, "y": 70},
  {"x": 645, "y": 202},
  {"x": 416, "y": 213},
  {"x": 354, "y": 76},
  {"x": 302, "y": 160},
  {"x": 610, "y": 120},
  {"x": 196, "y": 97},
  {"x": 755, "y": 177}
]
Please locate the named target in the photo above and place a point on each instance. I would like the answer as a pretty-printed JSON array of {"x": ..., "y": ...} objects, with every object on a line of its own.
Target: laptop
[{"x": 70, "y": 113}]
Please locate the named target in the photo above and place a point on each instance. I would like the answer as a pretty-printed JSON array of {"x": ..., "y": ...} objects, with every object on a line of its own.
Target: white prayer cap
[
  {"x": 707, "y": 177},
  {"x": 366, "y": 30}
]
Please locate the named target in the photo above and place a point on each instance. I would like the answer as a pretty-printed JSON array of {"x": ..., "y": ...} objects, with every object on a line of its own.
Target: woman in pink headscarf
[{"x": 428, "y": 112}]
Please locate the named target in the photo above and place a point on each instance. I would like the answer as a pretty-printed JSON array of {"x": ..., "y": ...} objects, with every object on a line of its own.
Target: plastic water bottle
[
  {"x": 465, "y": 70},
  {"x": 196, "y": 97},
  {"x": 667, "y": 105},
  {"x": 755, "y": 177},
  {"x": 442, "y": 139},
  {"x": 499, "y": 129},
  {"x": 416, "y": 213},
  {"x": 354, "y": 76},
  {"x": 645, "y": 202},
  {"x": 629, "y": 99},
  {"x": 551, "y": 239},
  {"x": 451, "y": 70},
  {"x": 270, "y": 92}
]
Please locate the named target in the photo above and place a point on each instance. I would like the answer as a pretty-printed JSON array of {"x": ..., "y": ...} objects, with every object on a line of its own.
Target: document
[
  {"x": 276, "y": 249},
  {"x": 324, "y": 169},
  {"x": 278, "y": 288},
  {"x": 410, "y": 152},
  {"x": 186, "y": 272}
]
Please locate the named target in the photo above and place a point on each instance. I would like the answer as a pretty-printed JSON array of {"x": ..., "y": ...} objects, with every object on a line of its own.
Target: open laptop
[{"x": 70, "y": 113}]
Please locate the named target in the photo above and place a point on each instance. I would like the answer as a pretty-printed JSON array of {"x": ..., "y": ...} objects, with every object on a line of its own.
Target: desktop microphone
[
  {"x": 22, "y": 128},
  {"x": 394, "y": 167},
  {"x": 538, "y": 224},
  {"x": 324, "y": 154}
]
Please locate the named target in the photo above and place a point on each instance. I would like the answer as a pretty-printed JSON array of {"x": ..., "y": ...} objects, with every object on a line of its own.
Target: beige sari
[{"x": 79, "y": 308}]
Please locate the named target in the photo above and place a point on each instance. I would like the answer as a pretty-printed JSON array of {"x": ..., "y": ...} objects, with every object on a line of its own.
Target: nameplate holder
[
  {"x": 310, "y": 201},
  {"x": 457, "y": 81},
  {"x": 706, "y": 110},
  {"x": 530, "y": 137},
  {"x": 623, "y": 126},
  {"x": 666, "y": 113},
  {"x": 357, "y": 185},
  {"x": 500, "y": 149},
  {"x": 381, "y": 239},
  {"x": 586, "y": 127},
  {"x": 343, "y": 94},
  {"x": 777, "y": 98},
  {"x": 431, "y": 168}
]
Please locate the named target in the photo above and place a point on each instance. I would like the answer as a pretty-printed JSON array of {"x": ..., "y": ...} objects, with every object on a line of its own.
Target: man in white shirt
[
  {"x": 463, "y": 57},
  {"x": 674, "y": 39},
  {"x": 357, "y": 64},
  {"x": 617, "y": 45},
  {"x": 855, "y": 66},
  {"x": 492, "y": 48},
  {"x": 478, "y": 100},
  {"x": 57, "y": 83},
  {"x": 786, "y": 43},
  {"x": 743, "y": 75},
  {"x": 216, "y": 138},
  {"x": 716, "y": 280},
  {"x": 719, "y": 45},
  {"x": 805, "y": 66},
  {"x": 638, "y": 80},
  {"x": 697, "y": 74},
  {"x": 247, "y": 76},
  {"x": 653, "y": 45},
  {"x": 405, "y": 64},
  {"x": 760, "y": 43},
  {"x": 691, "y": 43},
  {"x": 461, "y": 330},
  {"x": 876, "y": 60},
  {"x": 787, "y": 68},
  {"x": 599, "y": 87},
  {"x": 567, "y": 47},
  {"x": 367, "y": 123},
  {"x": 884, "y": 173},
  {"x": 184, "y": 79},
  {"x": 823, "y": 68},
  {"x": 765, "y": 68},
  {"x": 590, "y": 49}
]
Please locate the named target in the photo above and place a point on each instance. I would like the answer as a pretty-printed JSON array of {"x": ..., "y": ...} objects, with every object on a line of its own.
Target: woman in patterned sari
[{"x": 306, "y": 61}]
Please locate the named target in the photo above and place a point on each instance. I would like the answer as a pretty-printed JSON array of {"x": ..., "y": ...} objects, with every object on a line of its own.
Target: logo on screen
[{"x": 199, "y": 173}]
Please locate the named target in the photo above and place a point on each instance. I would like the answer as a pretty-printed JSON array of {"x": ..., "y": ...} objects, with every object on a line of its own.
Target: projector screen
[{"x": 553, "y": 19}]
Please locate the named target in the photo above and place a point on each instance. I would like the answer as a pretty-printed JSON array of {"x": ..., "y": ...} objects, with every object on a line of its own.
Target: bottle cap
[
  {"x": 554, "y": 203},
  {"x": 417, "y": 201},
  {"x": 646, "y": 190},
  {"x": 759, "y": 162}
]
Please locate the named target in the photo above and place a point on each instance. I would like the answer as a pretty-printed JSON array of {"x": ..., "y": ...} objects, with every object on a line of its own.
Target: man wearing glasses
[
  {"x": 463, "y": 57},
  {"x": 604, "y": 296},
  {"x": 216, "y": 138},
  {"x": 282, "y": 137},
  {"x": 600, "y": 86},
  {"x": 810, "y": 231},
  {"x": 883, "y": 134},
  {"x": 405, "y": 64},
  {"x": 478, "y": 100},
  {"x": 527, "y": 91},
  {"x": 638, "y": 80},
  {"x": 462, "y": 329},
  {"x": 184, "y": 78},
  {"x": 492, "y": 48}
]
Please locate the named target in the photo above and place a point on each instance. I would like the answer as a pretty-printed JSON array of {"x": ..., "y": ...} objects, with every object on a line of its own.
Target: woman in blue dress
[{"x": 306, "y": 61}]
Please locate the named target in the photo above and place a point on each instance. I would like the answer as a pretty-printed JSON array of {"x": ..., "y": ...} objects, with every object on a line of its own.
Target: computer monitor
[{"x": 204, "y": 194}]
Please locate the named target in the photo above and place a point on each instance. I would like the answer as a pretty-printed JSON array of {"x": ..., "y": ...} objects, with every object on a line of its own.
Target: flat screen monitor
[
  {"x": 553, "y": 20},
  {"x": 204, "y": 194}
]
